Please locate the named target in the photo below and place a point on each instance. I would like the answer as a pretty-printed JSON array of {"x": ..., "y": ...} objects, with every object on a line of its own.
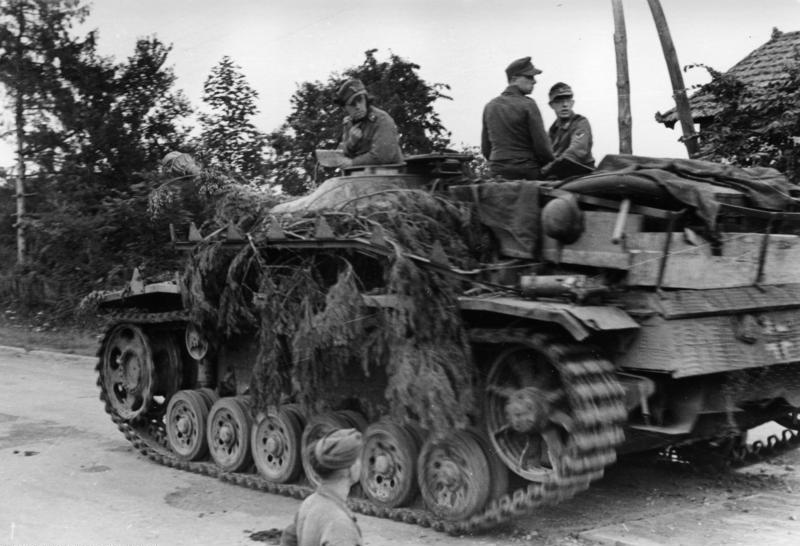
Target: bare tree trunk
[
  {"x": 19, "y": 120},
  {"x": 623, "y": 82},
  {"x": 679, "y": 91},
  {"x": 21, "y": 228}
]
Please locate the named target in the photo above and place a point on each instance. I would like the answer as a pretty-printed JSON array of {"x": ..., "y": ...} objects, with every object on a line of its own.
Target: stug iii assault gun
[{"x": 497, "y": 343}]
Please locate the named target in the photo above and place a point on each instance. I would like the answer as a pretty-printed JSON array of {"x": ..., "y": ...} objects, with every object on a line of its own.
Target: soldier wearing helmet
[
  {"x": 513, "y": 138},
  {"x": 369, "y": 135},
  {"x": 570, "y": 134}
]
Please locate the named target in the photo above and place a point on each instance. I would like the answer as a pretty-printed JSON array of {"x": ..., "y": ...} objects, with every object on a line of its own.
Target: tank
[{"x": 498, "y": 344}]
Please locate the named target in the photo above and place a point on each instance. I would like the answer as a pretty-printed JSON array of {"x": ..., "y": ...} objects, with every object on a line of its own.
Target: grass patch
[{"x": 30, "y": 336}]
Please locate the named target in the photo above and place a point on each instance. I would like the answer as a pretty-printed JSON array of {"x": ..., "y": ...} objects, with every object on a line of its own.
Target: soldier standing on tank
[
  {"x": 570, "y": 134},
  {"x": 369, "y": 135},
  {"x": 513, "y": 138},
  {"x": 324, "y": 518}
]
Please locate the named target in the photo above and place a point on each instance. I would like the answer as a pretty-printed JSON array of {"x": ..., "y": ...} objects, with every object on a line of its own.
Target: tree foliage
[
  {"x": 35, "y": 45},
  {"x": 315, "y": 121},
  {"x": 90, "y": 131},
  {"x": 755, "y": 125},
  {"x": 229, "y": 139}
]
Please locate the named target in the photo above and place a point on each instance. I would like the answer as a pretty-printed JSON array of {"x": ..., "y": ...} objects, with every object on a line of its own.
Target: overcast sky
[{"x": 463, "y": 43}]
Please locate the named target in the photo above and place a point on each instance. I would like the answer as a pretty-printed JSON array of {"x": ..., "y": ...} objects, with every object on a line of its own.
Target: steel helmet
[{"x": 562, "y": 219}]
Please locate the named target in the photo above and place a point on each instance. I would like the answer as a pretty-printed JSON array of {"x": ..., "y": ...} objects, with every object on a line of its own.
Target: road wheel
[
  {"x": 497, "y": 470},
  {"x": 317, "y": 427},
  {"x": 186, "y": 420},
  {"x": 275, "y": 441},
  {"x": 209, "y": 395},
  {"x": 388, "y": 472},
  {"x": 228, "y": 433},
  {"x": 454, "y": 476},
  {"x": 355, "y": 419}
]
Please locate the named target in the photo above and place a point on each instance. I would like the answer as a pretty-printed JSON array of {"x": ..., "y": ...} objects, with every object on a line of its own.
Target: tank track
[
  {"x": 734, "y": 457},
  {"x": 596, "y": 397}
]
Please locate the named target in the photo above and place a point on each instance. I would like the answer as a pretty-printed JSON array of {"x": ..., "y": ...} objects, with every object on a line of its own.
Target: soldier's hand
[{"x": 355, "y": 134}]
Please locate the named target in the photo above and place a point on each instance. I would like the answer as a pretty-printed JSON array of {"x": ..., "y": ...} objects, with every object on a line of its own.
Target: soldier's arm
[
  {"x": 345, "y": 144},
  {"x": 341, "y": 531},
  {"x": 542, "y": 148},
  {"x": 486, "y": 144},
  {"x": 384, "y": 147},
  {"x": 580, "y": 143}
]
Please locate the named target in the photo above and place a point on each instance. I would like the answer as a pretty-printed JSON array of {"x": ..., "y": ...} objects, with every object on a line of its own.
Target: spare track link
[{"x": 595, "y": 395}]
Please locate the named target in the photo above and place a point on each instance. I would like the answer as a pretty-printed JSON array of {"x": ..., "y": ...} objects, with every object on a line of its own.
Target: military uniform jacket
[
  {"x": 373, "y": 140},
  {"x": 323, "y": 520},
  {"x": 572, "y": 139},
  {"x": 513, "y": 129}
]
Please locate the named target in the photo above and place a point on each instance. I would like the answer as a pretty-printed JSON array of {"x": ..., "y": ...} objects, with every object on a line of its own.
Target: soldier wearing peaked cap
[
  {"x": 513, "y": 138},
  {"x": 324, "y": 518},
  {"x": 570, "y": 134},
  {"x": 369, "y": 135}
]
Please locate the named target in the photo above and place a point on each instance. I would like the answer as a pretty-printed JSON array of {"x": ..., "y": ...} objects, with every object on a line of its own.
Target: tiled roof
[{"x": 763, "y": 66}]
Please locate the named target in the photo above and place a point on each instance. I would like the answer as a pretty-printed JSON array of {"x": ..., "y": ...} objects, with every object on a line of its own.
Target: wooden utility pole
[
  {"x": 623, "y": 82},
  {"x": 679, "y": 90}
]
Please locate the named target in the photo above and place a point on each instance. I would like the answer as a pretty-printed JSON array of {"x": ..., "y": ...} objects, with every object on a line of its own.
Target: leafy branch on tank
[{"x": 313, "y": 321}]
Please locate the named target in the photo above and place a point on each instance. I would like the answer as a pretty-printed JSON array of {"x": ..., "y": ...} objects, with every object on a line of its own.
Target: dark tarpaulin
[
  {"x": 510, "y": 210},
  {"x": 690, "y": 181}
]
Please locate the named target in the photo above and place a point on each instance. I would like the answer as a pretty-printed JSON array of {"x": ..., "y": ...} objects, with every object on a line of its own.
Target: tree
[
  {"x": 92, "y": 216},
  {"x": 315, "y": 121},
  {"x": 35, "y": 46},
  {"x": 88, "y": 130},
  {"x": 755, "y": 125},
  {"x": 229, "y": 139}
]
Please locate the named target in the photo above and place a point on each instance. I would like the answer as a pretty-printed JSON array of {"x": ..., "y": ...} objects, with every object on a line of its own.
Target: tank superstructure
[{"x": 497, "y": 343}]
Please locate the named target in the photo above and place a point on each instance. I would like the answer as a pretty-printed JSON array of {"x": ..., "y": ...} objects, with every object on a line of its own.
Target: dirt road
[{"x": 69, "y": 477}]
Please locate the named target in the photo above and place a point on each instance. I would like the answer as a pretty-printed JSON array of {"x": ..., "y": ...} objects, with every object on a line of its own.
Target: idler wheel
[
  {"x": 526, "y": 417},
  {"x": 454, "y": 475},
  {"x": 127, "y": 373},
  {"x": 275, "y": 441},
  {"x": 186, "y": 420},
  {"x": 388, "y": 471},
  {"x": 316, "y": 428},
  {"x": 228, "y": 432}
]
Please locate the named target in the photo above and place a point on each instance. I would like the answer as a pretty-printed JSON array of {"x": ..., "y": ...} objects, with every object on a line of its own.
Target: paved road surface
[{"x": 70, "y": 478}]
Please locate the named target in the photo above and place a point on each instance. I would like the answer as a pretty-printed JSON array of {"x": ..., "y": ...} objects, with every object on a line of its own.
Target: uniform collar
[
  {"x": 513, "y": 90},
  {"x": 328, "y": 493},
  {"x": 564, "y": 124}
]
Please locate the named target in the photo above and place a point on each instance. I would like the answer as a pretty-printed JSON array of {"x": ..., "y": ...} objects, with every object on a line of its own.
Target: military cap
[
  {"x": 559, "y": 90},
  {"x": 348, "y": 90},
  {"x": 522, "y": 67},
  {"x": 339, "y": 448}
]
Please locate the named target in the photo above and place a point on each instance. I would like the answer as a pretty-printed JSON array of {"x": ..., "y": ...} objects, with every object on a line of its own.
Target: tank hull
[{"x": 366, "y": 304}]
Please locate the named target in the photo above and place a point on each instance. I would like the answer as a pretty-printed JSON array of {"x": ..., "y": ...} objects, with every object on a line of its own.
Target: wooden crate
[{"x": 691, "y": 264}]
